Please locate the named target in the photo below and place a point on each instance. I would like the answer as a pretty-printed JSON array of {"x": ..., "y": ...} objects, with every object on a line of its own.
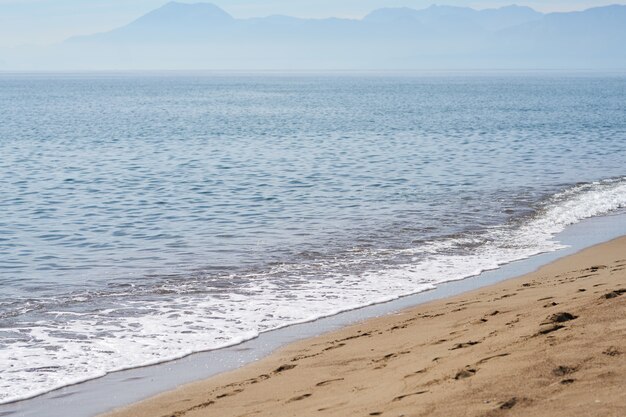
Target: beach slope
[{"x": 550, "y": 343}]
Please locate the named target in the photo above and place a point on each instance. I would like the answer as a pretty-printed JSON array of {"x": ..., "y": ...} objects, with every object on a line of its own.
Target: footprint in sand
[
  {"x": 401, "y": 397},
  {"x": 465, "y": 373},
  {"x": 284, "y": 368},
  {"x": 488, "y": 358},
  {"x": 507, "y": 405},
  {"x": 550, "y": 329},
  {"x": 596, "y": 268},
  {"x": 561, "y": 317},
  {"x": 335, "y": 346},
  {"x": 553, "y": 321},
  {"x": 614, "y": 293},
  {"x": 612, "y": 351},
  {"x": 563, "y": 370},
  {"x": 329, "y": 381},
  {"x": 421, "y": 371},
  {"x": 300, "y": 397},
  {"x": 464, "y": 345},
  {"x": 229, "y": 394}
]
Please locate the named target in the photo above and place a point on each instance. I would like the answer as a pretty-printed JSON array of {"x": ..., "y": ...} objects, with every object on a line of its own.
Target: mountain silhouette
[
  {"x": 203, "y": 36},
  {"x": 174, "y": 21}
]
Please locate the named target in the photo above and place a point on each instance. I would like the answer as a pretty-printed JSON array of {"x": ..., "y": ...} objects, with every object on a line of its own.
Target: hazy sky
[{"x": 50, "y": 21}]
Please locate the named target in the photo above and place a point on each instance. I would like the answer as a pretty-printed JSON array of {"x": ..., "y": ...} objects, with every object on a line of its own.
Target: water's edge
[
  {"x": 126, "y": 387},
  {"x": 148, "y": 218}
]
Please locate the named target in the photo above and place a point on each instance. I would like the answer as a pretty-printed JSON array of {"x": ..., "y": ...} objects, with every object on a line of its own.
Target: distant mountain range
[{"x": 203, "y": 36}]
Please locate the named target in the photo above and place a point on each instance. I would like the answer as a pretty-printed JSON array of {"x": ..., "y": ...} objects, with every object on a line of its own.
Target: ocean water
[{"x": 144, "y": 217}]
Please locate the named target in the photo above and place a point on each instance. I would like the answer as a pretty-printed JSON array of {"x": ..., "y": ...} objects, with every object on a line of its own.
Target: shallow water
[{"x": 148, "y": 216}]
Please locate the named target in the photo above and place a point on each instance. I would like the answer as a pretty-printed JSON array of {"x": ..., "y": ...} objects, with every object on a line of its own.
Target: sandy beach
[{"x": 550, "y": 343}]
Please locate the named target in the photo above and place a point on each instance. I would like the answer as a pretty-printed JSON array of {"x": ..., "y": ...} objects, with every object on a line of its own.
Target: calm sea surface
[{"x": 144, "y": 217}]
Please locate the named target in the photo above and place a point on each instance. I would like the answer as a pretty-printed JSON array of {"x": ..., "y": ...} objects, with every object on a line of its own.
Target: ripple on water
[{"x": 147, "y": 217}]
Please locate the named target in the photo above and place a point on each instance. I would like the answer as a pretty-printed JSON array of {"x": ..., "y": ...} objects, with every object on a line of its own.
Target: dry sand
[{"x": 551, "y": 343}]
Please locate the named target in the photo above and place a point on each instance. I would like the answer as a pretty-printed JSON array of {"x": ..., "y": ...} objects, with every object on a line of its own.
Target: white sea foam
[{"x": 48, "y": 354}]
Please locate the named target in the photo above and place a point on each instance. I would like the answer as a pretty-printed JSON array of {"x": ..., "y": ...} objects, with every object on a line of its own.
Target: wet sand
[{"x": 550, "y": 343}]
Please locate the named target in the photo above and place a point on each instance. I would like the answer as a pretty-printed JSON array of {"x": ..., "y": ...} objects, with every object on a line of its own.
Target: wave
[{"x": 81, "y": 337}]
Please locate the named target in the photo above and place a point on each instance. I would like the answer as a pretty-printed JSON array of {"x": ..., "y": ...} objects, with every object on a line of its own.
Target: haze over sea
[{"x": 148, "y": 216}]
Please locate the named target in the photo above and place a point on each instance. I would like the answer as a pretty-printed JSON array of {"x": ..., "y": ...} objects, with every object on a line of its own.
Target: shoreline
[
  {"x": 367, "y": 368},
  {"x": 123, "y": 388}
]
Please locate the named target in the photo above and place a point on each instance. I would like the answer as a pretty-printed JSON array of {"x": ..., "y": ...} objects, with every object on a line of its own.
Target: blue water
[{"x": 146, "y": 216}]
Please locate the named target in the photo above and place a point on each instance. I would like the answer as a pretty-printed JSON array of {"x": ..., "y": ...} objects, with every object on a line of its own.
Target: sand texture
[{"x": 551, "y": 343}]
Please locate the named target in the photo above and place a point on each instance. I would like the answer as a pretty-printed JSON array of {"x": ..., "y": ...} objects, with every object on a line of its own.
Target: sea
[{"x": 148, "y": 216}]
